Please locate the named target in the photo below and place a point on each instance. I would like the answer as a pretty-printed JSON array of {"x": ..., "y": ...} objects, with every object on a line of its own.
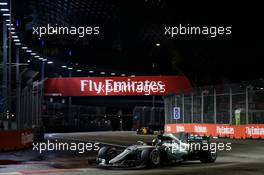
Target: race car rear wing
[{"x": 189, "y": 137}]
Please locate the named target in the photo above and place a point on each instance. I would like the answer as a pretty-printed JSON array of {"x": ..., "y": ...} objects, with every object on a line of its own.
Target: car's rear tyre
[
  {"x": 151, "y": 157},
  {"x": 208, "y": 156},
  {"x": 107, "y": 153}
]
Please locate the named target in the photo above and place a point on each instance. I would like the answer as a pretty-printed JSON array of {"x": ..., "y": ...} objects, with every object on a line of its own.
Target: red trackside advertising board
[
  {"x": 116, "y": 86},
  {"x": 254, "y": 131}
]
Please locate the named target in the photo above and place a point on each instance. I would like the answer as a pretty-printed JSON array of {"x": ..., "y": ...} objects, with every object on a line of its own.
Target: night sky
[{"x": 131, "y": 29}]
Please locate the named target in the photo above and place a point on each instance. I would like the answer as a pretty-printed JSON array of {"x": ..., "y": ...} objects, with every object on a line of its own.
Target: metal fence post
[
  {"x": 192, "y": 110},
  {"x": 230, "y": 106},
  {"x": 202, "y": 107},
  {"x": 214, "y": 106},
  {"x": 23, "y": 111},
  {"x": 143, "y": 116},
  {"x": 246, "y": 105},
  {"x": 152, "y": 115},
  {"x": 18, "y": 115},
  {"x": 32, "y": 104},
  {"x": 27, "y": 105},
  {"x": 166, "y": 105},
  {"x": 36, "y": 104},
  {"x": 175, "y": 104},
  {"x": 160, "y": 116},
  {"x": 42, "y": 93},
  {"x": 4, "y": 87},
  {"x": 182, "y": 108},
  {"x": 9, "y": 101},
  {"x": 70, "y": 103}
]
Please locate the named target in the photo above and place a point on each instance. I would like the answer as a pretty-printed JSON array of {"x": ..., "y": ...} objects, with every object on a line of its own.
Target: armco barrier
[
  {"x": 254, "y": 131},
  {"x": 14, "y": 140}
]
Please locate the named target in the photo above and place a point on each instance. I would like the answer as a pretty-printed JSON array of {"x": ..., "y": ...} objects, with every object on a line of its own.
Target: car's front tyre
[
  {"x": 208, "y": 156},
  {"x": 105, "y": 154},
  {"x": 151, "y": 157}
]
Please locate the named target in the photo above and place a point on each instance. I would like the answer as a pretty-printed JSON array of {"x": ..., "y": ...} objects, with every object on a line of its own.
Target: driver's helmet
[{"x": 155, "y": 141}]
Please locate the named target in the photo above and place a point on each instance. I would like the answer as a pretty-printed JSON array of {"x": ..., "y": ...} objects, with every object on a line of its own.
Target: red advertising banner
[
  {"x": 116, "y": 86},
  {"x": 14, "y": 140},
  {"x": 254, "y": 131}
]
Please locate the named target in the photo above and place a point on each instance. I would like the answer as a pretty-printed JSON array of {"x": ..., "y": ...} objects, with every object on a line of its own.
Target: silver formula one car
[{"x": 165, "y": 149}]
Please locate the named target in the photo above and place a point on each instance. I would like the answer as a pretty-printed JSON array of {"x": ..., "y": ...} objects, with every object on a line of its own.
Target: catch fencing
[
  {"x": 217, "y": 105},
  {"x": 146, "y": 116}
]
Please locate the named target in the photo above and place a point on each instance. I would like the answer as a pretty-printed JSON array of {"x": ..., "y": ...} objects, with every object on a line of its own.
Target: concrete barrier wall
[
  {"x": 254, "y": 131},
  {"x": 14, "y": 140}
]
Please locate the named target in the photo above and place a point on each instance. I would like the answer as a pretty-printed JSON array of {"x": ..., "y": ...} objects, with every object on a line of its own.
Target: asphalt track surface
[{"x": 245, "y": 158}]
